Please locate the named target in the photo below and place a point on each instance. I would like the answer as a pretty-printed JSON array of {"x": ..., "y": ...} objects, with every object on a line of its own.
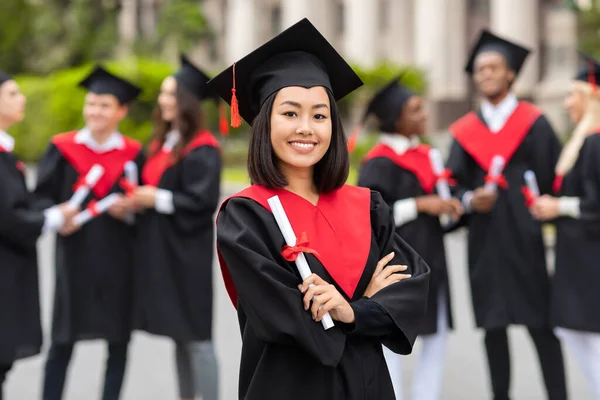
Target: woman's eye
[
  {"x": 289, "y": 114},
  {"x": 320, "y": 116}
]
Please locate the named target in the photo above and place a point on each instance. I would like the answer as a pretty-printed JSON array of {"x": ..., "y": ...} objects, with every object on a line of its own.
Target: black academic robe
[
  {"x": 410, "y": 175},
  {"x": 20, "y": 227},
  {"x": 287, "y": 355},
  {"x": 174, "y": 252},
  {"x": 575, "y": 294},
  {"x": 506, "y": 253},
  {"x": 93, "y": 291}
]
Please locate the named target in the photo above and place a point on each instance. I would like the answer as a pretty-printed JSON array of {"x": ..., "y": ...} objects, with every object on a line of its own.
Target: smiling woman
[{"x": 298, "y": 152}]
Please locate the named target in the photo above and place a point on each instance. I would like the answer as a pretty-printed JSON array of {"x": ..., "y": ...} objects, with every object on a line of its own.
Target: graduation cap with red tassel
[
  {"x": 299, "y": 56},
  {"x": 589, "y": 71}
]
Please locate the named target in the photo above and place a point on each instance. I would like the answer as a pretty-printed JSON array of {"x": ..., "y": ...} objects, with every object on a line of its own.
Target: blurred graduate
[
  {"x": 21, "y": 224},
  {"x": 178, "y": 197},
  {"x": 506, "y": 252},
  {"x": 94, "y": 262},
  {"x": 399, "y": 168}
]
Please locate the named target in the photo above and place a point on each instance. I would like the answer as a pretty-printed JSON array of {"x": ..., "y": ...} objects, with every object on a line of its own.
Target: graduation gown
[
  {"x": 287, "y": 355},
  {"x": 93, "y": 291},
  {"x": 506, "y": 254},
  {"x": 575, "y": 294},
  {"x": 405, "y": 176},
  {"x": 20, "y": 227},
  {"x": 174, "y": 252}
]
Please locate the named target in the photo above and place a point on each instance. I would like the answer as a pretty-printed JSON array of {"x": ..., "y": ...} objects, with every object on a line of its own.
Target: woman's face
[
  {"x": 12, "y": 103},
  {"x": 575, "y": 104},
  {"x": 167, "y": 99},
  {"x": 301, "y": 126}
]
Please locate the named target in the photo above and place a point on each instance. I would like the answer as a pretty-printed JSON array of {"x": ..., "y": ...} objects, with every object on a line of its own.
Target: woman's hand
[
  {"x": 545, "y": 208},
  {"x": 144, "y": 196},
  {"x": 385, "y": 276},
  {"x": 325, "y": 298}
]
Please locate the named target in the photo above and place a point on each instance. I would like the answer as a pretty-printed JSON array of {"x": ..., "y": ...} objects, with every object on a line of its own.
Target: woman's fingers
[
  {"x": 382, "y": 263},
  {"x": 392, "y": 269}
]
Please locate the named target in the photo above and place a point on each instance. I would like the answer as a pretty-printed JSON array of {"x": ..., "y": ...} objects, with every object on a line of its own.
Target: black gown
[
  {"x": 174, "y": 252},
  {"x": 287, "y": 355},
  {"x": 20, "y": 227},
  {"x": 506, "y": 253},
  {"x": 575, "y": 294},
  {"x": 93, "y": 291},
  {"x": 424, "y": 234}
]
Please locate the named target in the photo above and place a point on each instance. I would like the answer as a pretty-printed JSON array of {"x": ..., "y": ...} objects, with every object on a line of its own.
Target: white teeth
[{"x": 303, "y": 145}]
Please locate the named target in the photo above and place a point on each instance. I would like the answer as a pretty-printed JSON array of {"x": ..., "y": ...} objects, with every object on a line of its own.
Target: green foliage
[
  {"x": 589, "y": 35},
  {"x": 15, "y": 34},
  {"x": 183, "y": 21},
  {"x": 55, "y": 102}
]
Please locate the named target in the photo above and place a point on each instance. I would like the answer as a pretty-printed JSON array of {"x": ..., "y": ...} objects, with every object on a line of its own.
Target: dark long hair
[
  {"x": 330, "y": 173},
  {"x": 190, "y": 120}
]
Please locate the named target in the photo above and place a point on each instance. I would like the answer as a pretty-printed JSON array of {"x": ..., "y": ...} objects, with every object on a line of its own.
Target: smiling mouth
[{"x": 303, "y": 145}]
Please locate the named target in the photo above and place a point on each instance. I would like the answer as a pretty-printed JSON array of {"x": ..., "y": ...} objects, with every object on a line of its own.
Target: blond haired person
[{"x": 576, "y": 212}]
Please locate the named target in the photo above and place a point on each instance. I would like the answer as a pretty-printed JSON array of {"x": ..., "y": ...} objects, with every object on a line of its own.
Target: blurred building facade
[{"x": 434, "y": 35}]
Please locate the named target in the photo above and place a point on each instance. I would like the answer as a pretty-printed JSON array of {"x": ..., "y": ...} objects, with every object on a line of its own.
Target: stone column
[
  {"x": 361, "y": 36},
  {"x": 319, "y": 12},
  {"x": 560, "y": 61},
  {"x": 240, "y": 31},
  {"x": 517, "y": 20},
  {"x": 127, "y": 26},
  {"x": 400, "y": 21}
]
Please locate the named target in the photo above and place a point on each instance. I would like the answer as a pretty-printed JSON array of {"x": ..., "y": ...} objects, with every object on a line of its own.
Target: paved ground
[{"x": 151, "y": 375}]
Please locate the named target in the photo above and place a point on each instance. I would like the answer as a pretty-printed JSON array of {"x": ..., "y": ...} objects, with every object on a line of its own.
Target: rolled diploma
[
  {"x": 441, "y": 184},
  {"x": 290, "y": 239},
  {"x": 131, "y": 174},
  {"x": 92, "y": 177},
  {"x": 101, "y": 207},
  {"x": 495, "y": 171},
  {"x": 531, "y": 182}
]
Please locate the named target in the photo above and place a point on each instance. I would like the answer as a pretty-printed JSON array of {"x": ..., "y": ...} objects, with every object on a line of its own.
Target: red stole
[
  {"x": 162, "y": 160},
  {"x": 337, "y": 230},
  {"x": 477, "y": 140},
  {"x": 414, "y": 160},
  {"x": 83, "y": 158}
]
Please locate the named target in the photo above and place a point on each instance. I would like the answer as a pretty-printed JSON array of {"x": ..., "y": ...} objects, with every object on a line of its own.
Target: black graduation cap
[
  {"x": 387, "y": 104},
  {"x": 299, "y": 56},
  {"x": 515, "y": 55},
  {"x": 4, "y": 77},
  {"x": 590, "y": 71},
  {"x": 193, "y": 79},
  {"x": 100, "y": 81}
]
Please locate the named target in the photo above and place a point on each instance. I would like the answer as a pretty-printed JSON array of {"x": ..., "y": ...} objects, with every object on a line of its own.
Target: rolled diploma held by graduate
[
  {"x": 92, "y": 177},
  {"x": 495, "y": 171},
  {"x": 100, "y": 207},
  {"x": 290, "y": 239},
  {"x": 441, "y": 184},
  {"x": 131, "y": 172},
  {"x": 531, "y": 182}
]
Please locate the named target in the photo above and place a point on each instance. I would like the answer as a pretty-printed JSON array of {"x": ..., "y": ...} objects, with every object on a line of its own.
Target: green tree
[{"x": 15, "y": 35}]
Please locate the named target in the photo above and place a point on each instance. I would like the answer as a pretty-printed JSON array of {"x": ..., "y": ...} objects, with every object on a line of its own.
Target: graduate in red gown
[
  {"x": 21, "y": 224},
  {"x": 506, "y": 254},
  {"x": 575, "y": 208},
  {"x": 178, "y": 196},
  {"x": 373, "y": 285},
  {"x": 94, "y": 262},
  {"x": 400, "y": 169}
]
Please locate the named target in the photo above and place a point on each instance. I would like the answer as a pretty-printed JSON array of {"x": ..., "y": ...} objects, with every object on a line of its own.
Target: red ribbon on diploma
[
  {"x": 290, "y": 253},
  {"x": 79, "y": 183},
  {"x": 557, "y": 184},
  {"x": 529, "y": 196},
  {"x": 499, "y": 180},
  {"x": 127, "y": 186},
  {"x": 93, "y": 209},
  {"x": 447, "y": 175}
]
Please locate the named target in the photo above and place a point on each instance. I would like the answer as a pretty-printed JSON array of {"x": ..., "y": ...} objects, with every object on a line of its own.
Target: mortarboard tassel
[
  {"x": 353, "y": 139},
  {"x": 592, "y": 78},
  {"x": 236, "y": 120},
  {"x": 223, "y": 125}
]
